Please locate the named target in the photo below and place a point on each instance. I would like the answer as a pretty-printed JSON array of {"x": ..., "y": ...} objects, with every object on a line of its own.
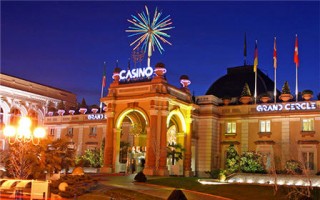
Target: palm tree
[{"x": 175, "y": 151}]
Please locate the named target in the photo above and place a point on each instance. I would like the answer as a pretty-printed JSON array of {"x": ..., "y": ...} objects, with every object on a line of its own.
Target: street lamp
[{"x": 23, "y": 133}]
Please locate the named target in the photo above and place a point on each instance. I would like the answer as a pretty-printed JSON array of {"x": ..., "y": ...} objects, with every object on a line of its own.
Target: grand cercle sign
[{"x": 287, "y": 107}]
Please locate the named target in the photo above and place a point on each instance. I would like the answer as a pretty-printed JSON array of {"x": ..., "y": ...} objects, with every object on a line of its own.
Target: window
[
  {"x": 308, "y": 160},
  {"x": 307, "y": 125},
  {"x": 231, "y": 127},
  {"x": 52, "y": 132},
  {"x": 265, "y": 126},
  {"x": 93, "y": 132},
  {"x": 70, "y": 132}
]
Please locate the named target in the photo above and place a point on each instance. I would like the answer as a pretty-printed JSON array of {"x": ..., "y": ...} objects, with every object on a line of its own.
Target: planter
[
  {"x": 83, "y": 110},
  {"x": 226, "y": 101},
  {"x": 50, "y": 113},
  {"x": 71, "y": 112},
  {"x": 61, "y": 112},
  {"x": 307, "y": 97},
  {"x": 245, "y": 99},
  {"x": 265, "y": 99},
  {"x": 285, "y": 97},
  {"x": 94, "y": 110},
  {"x": 160, "y": 71}
]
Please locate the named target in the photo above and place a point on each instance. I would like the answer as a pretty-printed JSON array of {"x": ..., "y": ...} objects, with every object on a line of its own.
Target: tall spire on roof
[{"x": 245, "y": 49}]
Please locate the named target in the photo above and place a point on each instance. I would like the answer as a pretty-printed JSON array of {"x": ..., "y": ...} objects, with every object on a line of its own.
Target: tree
[
  {"x": 233, "y": 160},
  {"x": 20, "y": 160},
  {"x": 285, "y": 88},
  {"x": 175, "y": 151},
  {"x": 246, "y": 91},
  {"x": 25, "y": 160}
]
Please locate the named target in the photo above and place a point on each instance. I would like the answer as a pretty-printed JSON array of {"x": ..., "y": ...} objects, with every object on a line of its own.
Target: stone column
[
  {"x": 187, "y": 153},
  {"x": 152, "y": 147},
  {"x": 116, "y": 149},
  {"x": 108, "y": 166},
  {"x": 163, "y": 169}
]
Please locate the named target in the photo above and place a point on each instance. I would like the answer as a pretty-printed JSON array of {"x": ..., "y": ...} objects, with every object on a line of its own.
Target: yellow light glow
[
  {"x": 249, "y": 181},
  {"x": 180, "y": 116},
  {"x": 23, "y": 132},
  {"x": 39, "y": 132},
  {"x": 122, "y": 116},
  {"x": 25, "y": 122},
  {"x": 9, "y": 131}
]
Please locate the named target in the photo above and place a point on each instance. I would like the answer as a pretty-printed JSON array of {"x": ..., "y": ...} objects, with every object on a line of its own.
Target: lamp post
[
  {"x": 22, "y": 133},
  {"x": 21, "y": 137}
]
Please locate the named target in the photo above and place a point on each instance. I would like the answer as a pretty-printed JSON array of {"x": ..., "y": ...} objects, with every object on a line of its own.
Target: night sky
[{"x": 64, "y": 44}]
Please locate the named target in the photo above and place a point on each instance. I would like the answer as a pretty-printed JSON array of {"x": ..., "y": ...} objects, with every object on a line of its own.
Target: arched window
[
  {"x": 33, "y": 117},
  {"x": 1, "y": 119},
  {"x": 15, "y": 116}
]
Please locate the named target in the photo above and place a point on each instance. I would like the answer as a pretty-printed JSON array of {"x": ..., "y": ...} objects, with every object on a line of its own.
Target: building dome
[{"x": 231, "y": 84}]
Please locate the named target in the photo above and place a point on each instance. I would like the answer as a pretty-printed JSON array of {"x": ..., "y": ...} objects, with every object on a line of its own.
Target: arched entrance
[
  {"x": 176, "y": 142},
  {"x": 132, "y": 125},
  {"x": 139, "y": 115}
]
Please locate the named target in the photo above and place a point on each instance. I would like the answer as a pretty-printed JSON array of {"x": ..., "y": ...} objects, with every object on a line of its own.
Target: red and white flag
[
  {"x": 296, "y": 55},
  {"x": 275, "y": 54}
]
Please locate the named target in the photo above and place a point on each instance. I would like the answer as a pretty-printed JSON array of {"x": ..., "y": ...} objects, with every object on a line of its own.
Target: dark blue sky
[{"x": 64, "y": 44}]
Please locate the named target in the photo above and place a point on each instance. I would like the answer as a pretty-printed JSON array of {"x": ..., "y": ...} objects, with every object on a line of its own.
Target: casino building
[{"x": 145, "y": 114}]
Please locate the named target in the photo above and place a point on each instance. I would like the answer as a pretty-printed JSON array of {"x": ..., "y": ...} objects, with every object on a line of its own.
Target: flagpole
[
  {"x": 102, "y": 86},
  {"x": 275, "y": 85},
  {"x": 255, "y": 68},
  {"x": 296, "y": 60},
  {"x": 275, "y": 63},
  {"x": 296, "y": 82},
  {"x": 255, "y": 87}
]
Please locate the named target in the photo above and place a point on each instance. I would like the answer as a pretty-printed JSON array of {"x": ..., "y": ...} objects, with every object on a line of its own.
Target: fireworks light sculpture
[{"x": 150, "y": 31}]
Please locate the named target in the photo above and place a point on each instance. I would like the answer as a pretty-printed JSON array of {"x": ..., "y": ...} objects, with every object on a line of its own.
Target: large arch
[
  {"x": 177, "y": 128},
  {"x": 130, "y": 139}
]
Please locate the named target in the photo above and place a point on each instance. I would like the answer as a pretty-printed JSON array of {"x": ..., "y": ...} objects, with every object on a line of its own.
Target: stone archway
[
  {"x": 131, "y": 136},
  {"x": 176, "y": 125},
  {"x": 156, "y": 102}
]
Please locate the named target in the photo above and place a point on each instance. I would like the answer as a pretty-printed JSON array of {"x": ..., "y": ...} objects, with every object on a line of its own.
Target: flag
[
  {"x": 255, "y": 62},
  {"x": 275, "y": 54},
  {"x": 296, "y": 55},
  {"x": 104, "y": 78}
]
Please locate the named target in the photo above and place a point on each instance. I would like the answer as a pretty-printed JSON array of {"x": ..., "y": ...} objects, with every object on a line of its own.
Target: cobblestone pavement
[{"x": 126, "y": 181}]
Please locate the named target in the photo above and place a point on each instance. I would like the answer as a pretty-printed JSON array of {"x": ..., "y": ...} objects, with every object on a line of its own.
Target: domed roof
[{"x": 231, "y": 84}]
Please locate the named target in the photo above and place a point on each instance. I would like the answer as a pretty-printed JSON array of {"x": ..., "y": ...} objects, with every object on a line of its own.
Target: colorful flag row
[{"x": 295, "y": 56}]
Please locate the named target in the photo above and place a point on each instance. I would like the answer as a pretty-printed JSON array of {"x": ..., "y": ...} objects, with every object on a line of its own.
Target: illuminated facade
[
  {"x": 20, "y": 97},
  {"x": 143, "y": 115},
  {"x": 280, "y": 135}
]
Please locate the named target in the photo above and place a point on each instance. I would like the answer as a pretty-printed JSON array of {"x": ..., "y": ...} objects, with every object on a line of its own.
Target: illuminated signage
[
  {"x": 136, "y": 73},
  {"x": 289, "y": 106},
  {"x": 96, "y": 116}
]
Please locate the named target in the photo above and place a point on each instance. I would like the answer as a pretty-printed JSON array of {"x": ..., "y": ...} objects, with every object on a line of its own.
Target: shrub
[
  {"x": 293, "y": 167},
  {"x": 140, "y": 177},
  {"x": 251, "y": 162},
  {"x": 307, "y": 92},
  {"x": 213, "y": 173}
]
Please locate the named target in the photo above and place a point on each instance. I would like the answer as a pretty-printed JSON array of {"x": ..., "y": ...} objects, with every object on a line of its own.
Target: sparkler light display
[{"x": 150, "y": 31}]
